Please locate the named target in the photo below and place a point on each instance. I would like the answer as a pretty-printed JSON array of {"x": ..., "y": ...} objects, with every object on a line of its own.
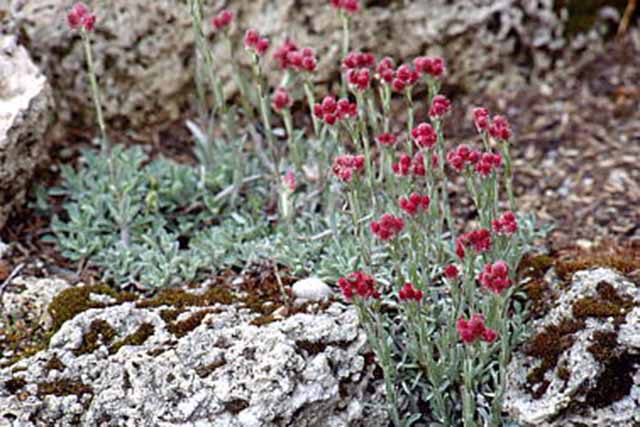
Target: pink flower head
[
  {"x": 283, "y": 55},
  {"x": 462, "y": 156},
  {"x": 359, "y": 60},
  {"x": 481, "y": 118},
  {"x": 344, "y": 167},
  {"x": 424, "y": 135},
  {"x": 488, "y": 163},
  {"x": 255, "y": 43},
  {"x": 222, "y": 20},
  {"x": 495, "y": 277},
  {"x": 387, "y": 227},
  {"x": 407, "y": 75},
  {"x": 80, "y": 17},
  {"x": 451, "y": 272},
  {"x": 403, "y": 166},
  {"x": 281, "y": 99},
  {"x": 409, "y": 292},
  {"x": 360, "y": 284},
  {"x": 289, "y": 180},
  {"x": 330, "y": 111},
  {"x": 359, "y": 78},
  {"x": 433, "y": 67},
  {"x": 414, "y": 203},
  {"x": 386, "y": 139},
  {"x": 439, "y": 106},
  {"x": 349, "y": 6},
  {"x": 479, "y": 240},
  {"x": 500, "y": 128},
  {"x": 475, "y": 329},
  {"x": 506, "y": 224},
  {"x": 385, "y": 69}
]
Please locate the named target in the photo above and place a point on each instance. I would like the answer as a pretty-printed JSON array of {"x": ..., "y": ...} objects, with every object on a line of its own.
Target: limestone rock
[
  {"x": 311, "y": 289},
  {"x": 581, "y": 368},
  {"x": 306, "y": 370},
  {"x": 25, "y": 102},
  {"x": 144, "y": 50}
]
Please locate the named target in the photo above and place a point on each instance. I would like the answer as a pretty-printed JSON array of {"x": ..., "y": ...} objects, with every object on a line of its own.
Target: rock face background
[
  {"x": 582, "y": 365},
  {"x": 25, "y": 103},
  {"x": 209, "y": 366},
  {"x": 144, "y": 50}
]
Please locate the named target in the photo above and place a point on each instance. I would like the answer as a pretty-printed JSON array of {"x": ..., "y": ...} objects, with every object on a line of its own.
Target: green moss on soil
[
  {"x": 181, "y": 299},
  {"x": 139, "y": 337},
  {"x": 624, "y": 263},
  {"x": 63, "y": 387},
  {"x": 100, "y": 333}
]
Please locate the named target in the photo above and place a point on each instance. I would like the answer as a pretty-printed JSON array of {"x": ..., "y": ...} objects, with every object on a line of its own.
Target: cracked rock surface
[
  {"x": 25, "y": 103},
  {"x": 581, "y": 368},
  {"x": 126, "y": 366}
]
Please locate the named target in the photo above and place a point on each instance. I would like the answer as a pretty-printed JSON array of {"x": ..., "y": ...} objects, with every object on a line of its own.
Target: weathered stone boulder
[
  {"x": 25, "y": 102},
  {"x": 126, "y": 365},
  {"x": 581, "y": 367},
  {"x": 144, "y": 50}
]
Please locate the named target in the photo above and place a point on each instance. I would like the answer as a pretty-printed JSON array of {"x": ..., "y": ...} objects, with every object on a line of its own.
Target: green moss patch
[
  {"x": 547, "y": 346},
  {"x": 54, "y": 364},
  {"x": 139, "y": 337},
  {"x": 100, "y": 333},
  {"x": 181, "y": 299},
  {"x": 64, "y": 387},
  {"x": 72, "y": 301},
  {"x": 15, "y": 384},
  {"x": 608, "y": 303},
  {"x": 183, "y": 327}
]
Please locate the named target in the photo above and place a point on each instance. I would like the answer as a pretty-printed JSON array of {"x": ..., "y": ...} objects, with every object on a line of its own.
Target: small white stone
[{"x": 312, "y": 289}]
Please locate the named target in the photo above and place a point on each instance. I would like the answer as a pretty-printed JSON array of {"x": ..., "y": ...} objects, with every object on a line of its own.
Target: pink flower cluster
[
  {"x": 484, "y": 163},
  {"x": 386, "y": 139},
  {"x": 403, "y": 77},
  {"x": 431, "y": 66},
  {"x": 424, "y": 135},
  {"x": 349, "y": 6},
  {"x": 451, "y": 272},
  {"x": 360, "y": 78},
  {"x": 439, "y": 107},
  {"x": 344, "y": 167},
  {"x": 81, "y": 17},
  {"x": 281, "y": 99},
  {"x": 355, "y": 60},
  {"x": 413, "y": 166},
  {"x": 414, "y": 203},
  {"x": 498, "y": 127},
  {"x": 409, "y": 292},
  {"x": 475, "y": 329},
  {"x": 290, "y": 56},
  {"x": 289, "y": 181},
  {"x": 495, "y": 277},
  {"x": 360, "y": 284},
  {"x": 506, "y": 224},
  {"x": 388, "y": 227},
  {"x": 479, "y": 240},
  {"x": 330, "y": 111},
  {"x": 255, "y": 43},
  {"x": 222, "y": 20}
]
